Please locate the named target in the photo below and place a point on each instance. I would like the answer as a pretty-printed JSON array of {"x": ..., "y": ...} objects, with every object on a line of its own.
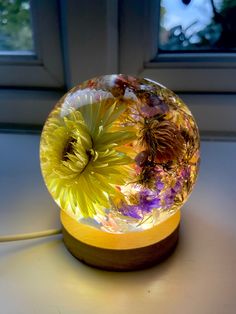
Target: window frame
[
  {"x": 43, "y": 67},
  {"x": 30, "y": 105},
  {"x": 81, "y": 36},
  {"x": 206, "y": 82},
  {"x": 121, "y": 47},
  {"x": 182, "y": 72}
]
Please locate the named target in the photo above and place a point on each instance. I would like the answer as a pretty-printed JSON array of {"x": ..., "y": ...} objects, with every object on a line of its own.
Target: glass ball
[{"x": 120, "y": 153}]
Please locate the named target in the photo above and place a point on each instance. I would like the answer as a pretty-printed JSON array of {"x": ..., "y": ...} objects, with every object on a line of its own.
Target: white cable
[{"x": 28, "y": 236}]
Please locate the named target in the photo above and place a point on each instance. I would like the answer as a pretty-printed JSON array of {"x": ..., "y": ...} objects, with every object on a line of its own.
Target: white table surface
[{"x": 40, "y": 276}]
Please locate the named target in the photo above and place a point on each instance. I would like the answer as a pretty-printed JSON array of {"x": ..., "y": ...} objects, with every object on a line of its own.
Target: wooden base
[{"x": 118, "y": 252}]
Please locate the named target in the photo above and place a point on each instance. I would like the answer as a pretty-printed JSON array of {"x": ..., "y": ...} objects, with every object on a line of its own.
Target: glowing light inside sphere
[{"x": 120, "y": 153}]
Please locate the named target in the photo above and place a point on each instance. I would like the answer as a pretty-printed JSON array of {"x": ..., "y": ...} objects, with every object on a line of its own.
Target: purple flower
[
  {"x": 159, "y": 185},
  {"x": 146, "y": 193},
  {"x": 131, "y": 211},
  {"x": 154, "y": 105},
  {"x": 148, "y": 200},
  {"x": 186, "y": 172},
  {"x": 169, "y": 197},
  {"x": 150, "y": 111},
  {"x": 149, "y": 205},
  {"x": 177, "y": 187}
]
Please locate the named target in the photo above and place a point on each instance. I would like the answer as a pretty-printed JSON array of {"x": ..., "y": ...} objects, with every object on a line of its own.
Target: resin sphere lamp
[{"x": 120, "y": 156}]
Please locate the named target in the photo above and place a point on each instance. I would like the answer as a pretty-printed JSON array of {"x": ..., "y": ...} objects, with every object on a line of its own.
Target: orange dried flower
[{"x": 162, "y": 140}]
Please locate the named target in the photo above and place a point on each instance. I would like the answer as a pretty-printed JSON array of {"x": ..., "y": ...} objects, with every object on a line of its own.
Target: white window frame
[
  {"x": 90, "y": 38},
  {"x": 43, "y": 67}
]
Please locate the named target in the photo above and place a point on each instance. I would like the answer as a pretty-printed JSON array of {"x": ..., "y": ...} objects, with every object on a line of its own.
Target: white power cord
[{"x": 28, "y": 236}]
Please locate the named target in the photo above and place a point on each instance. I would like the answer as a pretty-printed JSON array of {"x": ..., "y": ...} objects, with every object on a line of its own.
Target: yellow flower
[{"x": 81, "y": 156}]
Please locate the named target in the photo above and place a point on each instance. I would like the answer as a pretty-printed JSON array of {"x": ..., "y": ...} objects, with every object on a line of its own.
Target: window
[
  {"x": 67, "y": 49},
  {"x": 206, "y": 80},
  {"x": 74, "y": 40},
  {"x": 197, "y": 26},
  {"x": 16, "y": 31},
  {"x": 30, "y": 53}
]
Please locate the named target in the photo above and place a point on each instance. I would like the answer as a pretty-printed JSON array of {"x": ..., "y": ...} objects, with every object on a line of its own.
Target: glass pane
[
  {"x": 197, "y": 25},
  {"x": 15, "y": 26}
]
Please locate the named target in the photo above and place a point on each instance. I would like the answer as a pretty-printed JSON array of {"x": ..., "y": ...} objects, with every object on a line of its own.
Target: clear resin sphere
[{"x": 120, "y": 153}]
